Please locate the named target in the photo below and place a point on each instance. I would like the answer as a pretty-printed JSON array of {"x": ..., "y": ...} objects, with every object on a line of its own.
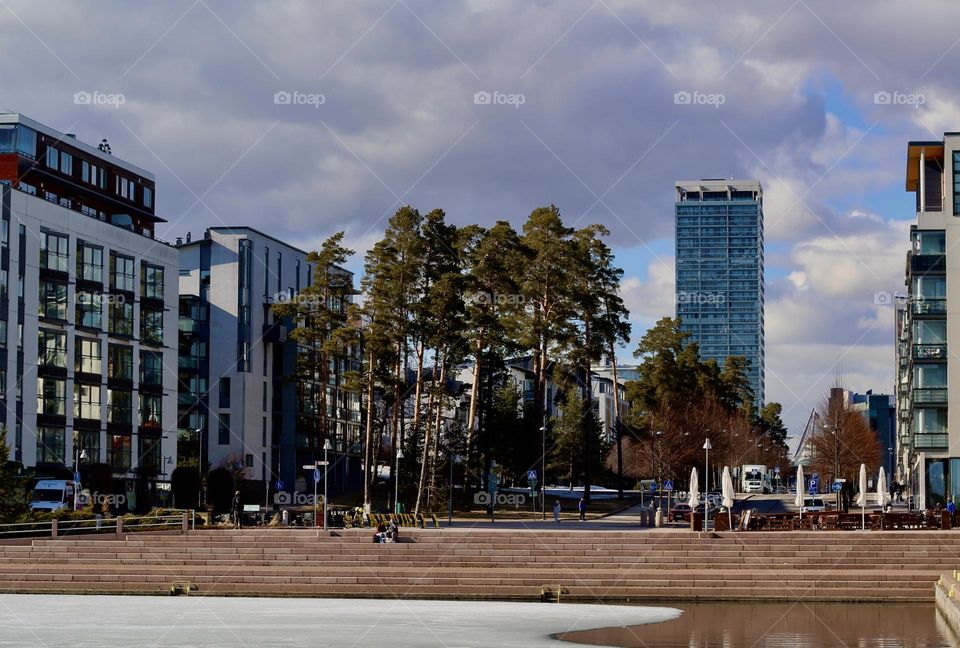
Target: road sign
[
  {"x": 492, "y": 483},
  {"x": 836, "y": 487},
  {"x": 668, "y": 485},
  {"x": 278, "y": 485},
  {"x": 813, "y": 489},
  {"x": 653, "y": 486},
  {"x": 776, "y": 470},
  {"x": 76, "y": 476},
  {"x": 316, "y": 474}
]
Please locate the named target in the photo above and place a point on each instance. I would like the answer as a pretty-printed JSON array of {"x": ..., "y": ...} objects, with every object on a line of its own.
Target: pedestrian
[
  {"x": 951, "y": 508},
  {"x": 556, "y": 511},
  {"x": 582, "y": 507},
  {"x": 236, "y": 510}
]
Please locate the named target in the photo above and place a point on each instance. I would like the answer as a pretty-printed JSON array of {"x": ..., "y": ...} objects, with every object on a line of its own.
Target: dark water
[{"x": 782, "y": 625}]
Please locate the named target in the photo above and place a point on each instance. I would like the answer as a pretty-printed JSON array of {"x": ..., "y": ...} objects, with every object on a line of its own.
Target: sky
[{"x": 306, "y": 118}]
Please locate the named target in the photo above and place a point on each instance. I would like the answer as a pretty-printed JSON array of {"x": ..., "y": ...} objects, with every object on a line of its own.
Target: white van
[{"x": 53, "y": 495}]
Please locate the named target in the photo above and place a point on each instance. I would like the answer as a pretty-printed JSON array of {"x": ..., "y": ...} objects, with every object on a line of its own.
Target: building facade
[
  {"x": 239, "y": 389},
  {"x": 87, "y": 313},
  {"x": 928, "y": 409},
  {"x": 720, "y": 271}
]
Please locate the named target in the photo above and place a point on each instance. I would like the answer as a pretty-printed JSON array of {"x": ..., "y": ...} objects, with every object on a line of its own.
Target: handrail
[{"x": 117, "y": 524}]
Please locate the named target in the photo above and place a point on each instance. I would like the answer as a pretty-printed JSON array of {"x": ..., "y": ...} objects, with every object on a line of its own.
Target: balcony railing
[
  {"x": 930, "y": 307},
  {"x": 930, "y": 395},
  {"x": 930, "y": 441},
  {"x": 929, "y": 351},
  {"x": 188, "y": 325},
  {"x": 928, "y": 262},
  {"x": 188, "y": 362}
]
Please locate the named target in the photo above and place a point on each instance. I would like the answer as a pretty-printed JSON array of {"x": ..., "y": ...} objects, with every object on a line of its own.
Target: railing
[
  {"x": 930, "y": 307},
  {"x": 187, "y": 325},
  {"x": 929, "y": 351},
  {"x": 928, "y": 262},
  {"x": 930, "y": 441},
  {"x": 930, "y": 395},
  {"x": 118, "y": 525}
]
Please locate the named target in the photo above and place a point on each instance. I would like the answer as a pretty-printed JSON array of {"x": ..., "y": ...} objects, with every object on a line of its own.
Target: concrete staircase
[{"x": 491, "y": 564}]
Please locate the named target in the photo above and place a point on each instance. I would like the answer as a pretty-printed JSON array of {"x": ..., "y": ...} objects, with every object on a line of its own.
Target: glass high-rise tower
[{"x": 719, "y": 271}]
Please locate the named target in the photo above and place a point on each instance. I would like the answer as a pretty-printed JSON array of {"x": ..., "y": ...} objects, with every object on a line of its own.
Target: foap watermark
[
  {"x": 895, "y": 98},
  {"x": 701, "y": 298},
  {"x": 483, "y": 498},
  {"x": 297, "y": 98},
  {"x": 296, "y": 498},
  {"x": 97, "y": 300},
  {"x": 499, "y": 299},
  {"x": 287, "y": 297},
  {"x": 697, "y": 98},
  {"x": 103, "y": 499},
  {"x": 496, "y": 98},
  {"x": 97, "y": 98}
]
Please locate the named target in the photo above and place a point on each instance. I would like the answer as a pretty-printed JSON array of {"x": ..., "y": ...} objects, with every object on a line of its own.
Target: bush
[
  {"x": 220, "y": 490},
  {"x": 185, "y": 482}
]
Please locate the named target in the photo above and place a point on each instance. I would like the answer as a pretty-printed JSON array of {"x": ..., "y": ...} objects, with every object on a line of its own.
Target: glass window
[
  {"x": 52, "y": 349},
  {"x": 88, "y": 440},
  {"x": 87, "y": 356},
  {"x": 53, "y": 158},
  {"x": 148, "y": 197},
  {"x": 121, "y": 318},
  {"x": 89, "y": 310},
  {"x": 936, "y": 483},
  {"x": 151, "y": 326},
  {"x": 930, "y": 375},
  {"x": 149, "y": 454},
  {"x": 51, "y": 396},
  {"x": 152, "y": 282},
  {"x": 54, "y": 251},
  {"x": 122, "y": 273},
  {"x": 930, "y": 420},
  {"x": 224, "y": 400},
  {"x": 151, "y": 368},
  {"x": 66, "y": 163},
  {"x": 929, "y": 242},
  {"x": 86, "y": 401},
  {"x": 150, "y": 410},
  {"x": 119, "y": 406},
  {"x": 930, "y": 331},
  {"x": 51, "y": 444},
  {"x": 90, "y": 263},
  {"x": 120, "y": 362},
  {"x": 53, "y": 300},
  {"x": 224, "y": 430},
  {"x": 118, "y": 454},
  {"x": 931, "y": 287}
]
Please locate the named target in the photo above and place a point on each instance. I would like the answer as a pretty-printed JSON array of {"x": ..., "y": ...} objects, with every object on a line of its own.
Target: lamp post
[
  {"x": 200, "y": 494},
  {"x": 80, "y": 455},
  {"x": 453, "y": 459},
  {"x": 396, "y": 482},
  {"x": 543, "y": 471},
  {"x": 706, "y": 469},
  {"x": 327, "y": 447}
]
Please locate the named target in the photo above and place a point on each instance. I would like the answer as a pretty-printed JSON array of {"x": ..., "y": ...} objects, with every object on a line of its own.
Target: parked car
[
  {"x": 813, "y": 505},
  {"x": 680, "y": 513},
  {"x": 53, "y": 495}
]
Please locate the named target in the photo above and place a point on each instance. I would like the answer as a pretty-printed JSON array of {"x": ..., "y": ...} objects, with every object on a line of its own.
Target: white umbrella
[
  {"x": 727, "y": 487},
  {"x": 799, "y": 499},
  {"x": 883, "y": 497},
  {"x": 694, "y": 499},
  {"x": 862, "y": 497}
]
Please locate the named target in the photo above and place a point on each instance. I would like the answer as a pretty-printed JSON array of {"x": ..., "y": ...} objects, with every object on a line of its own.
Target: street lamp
[
  {"x": 453, "y": 459},
  {"x": 81, "y": 455},
  {"x": 543, "y": 471},
  {"x": 327, "y": 446},
  {"x": 200, "y": 494},
  {"x": 396, "y": 482},
  {"x": 706, "y": 469}
]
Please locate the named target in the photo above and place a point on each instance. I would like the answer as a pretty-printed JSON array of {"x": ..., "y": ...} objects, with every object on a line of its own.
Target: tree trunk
[
  {"x": 394, "y": 422},
  {"x": 368, "y": 442},
  {"x": 436, "y": 431},
  {"x": 474, "y": 398}
]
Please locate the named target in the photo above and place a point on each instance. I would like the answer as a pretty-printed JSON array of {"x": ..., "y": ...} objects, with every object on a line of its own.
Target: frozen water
[{"x": 82, "y": 621}]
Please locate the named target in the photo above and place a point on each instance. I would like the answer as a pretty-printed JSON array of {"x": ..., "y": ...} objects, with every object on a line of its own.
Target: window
[
  {"x": 151, "y": 282},
  {"x": 3, "y": 334},
  {"x": 88, "y": 309},
  {"x": 52, "y": 349},
  {"x": 118, "y": 454},
  {"x": 119, "y": 407},
  {"x": 54, "y": 251},
  {"x": 53, "y": 158},
  {"x": 150, "y": 411},
  {"x": 151, "y": 368},
  {"x": 151, "y": 326},
  {"x": 51, "y": 396},
  {"x": 148, "y": 197},
  {"x": 150, "y": 455},
  {"x": 18, "y": 139},
  {"x": 125, "y": 188},
  {"x": 224, "y": 430},
  {"x": 88, "y": 440},
  {"x": 51, "y": 444},
  {"x": 120, "y": 362},
  {"x": 224, "y": 400},
  {"x": 121, "y": 318},
  {"x": 86, "y": 402},
  {"x": 66, "y": 163},
  {"x": 248, "y": 460},
  {"x": 53, "y": 300},
  {"x": 86, "y": 356},
  {"x": 90, "y": 263},
  {"x": 122, "y": 273}
]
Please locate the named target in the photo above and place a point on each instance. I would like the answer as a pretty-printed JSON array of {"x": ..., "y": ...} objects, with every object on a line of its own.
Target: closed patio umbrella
[
  {"x": 728, "y": 492},
  {"x": 694, "y": 497},
  {"x": 799, "y": 499},
  {"x": 883, "y": 497},
  {"x": 862, "y": 497}
]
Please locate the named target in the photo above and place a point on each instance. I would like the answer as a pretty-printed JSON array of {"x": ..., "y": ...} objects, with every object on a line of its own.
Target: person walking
[
  {"x": 236, "y": 510},
  {"x": 582, "y": 507},
  {"x": 556, "y": 511}
]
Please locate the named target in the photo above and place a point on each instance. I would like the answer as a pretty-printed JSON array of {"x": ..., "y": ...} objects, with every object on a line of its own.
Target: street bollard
[
  {"x": 53, "y": 528},
  {"x": 186, "y": 523},
  {"x": 119, "y": 525},
  {"x": 658, "y": 518}
]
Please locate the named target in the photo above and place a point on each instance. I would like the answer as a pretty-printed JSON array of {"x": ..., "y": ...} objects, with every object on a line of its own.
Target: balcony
[
  {"x": 928, "y": 262},
  {"x": 188, "y": 362},
  {"x": 930, "y": 307},
  {"x": 188, "y": 325},
  {"x": 930, "y": 441},
  {"x": 187, "y": 399},
  {"x": 930, "y": 395},
  {"x": 929, "y": 351}
]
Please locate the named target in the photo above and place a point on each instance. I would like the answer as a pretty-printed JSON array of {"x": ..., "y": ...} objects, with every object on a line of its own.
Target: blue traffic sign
[
  {"x": 653, "y": 486},
  {"x": 836, "y": 487},
  {"x": 813, "y": 489},
  {"x": 278, "y": 485},
  {"x": 668, "y": 485},
  {"x": 531, "y": 475},
  {"x": 316, "y": 474},
  {"x": 76, "y": 476}
]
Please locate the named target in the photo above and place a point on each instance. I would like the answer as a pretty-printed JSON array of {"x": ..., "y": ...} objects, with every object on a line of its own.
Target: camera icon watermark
[
  {"x": 697, "y": 98},
  {"x": 297, "y": 98},
  {"x": 96, "y": 98},
  {"x": 701, "y": 298},
  {"x": 483, "y": 498},
  {"x": 496, "y": 98},
  {"x": 895, "y": 98},
  {"x": 86, "y": 499},
  {"x": 296, "y": 498}
]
